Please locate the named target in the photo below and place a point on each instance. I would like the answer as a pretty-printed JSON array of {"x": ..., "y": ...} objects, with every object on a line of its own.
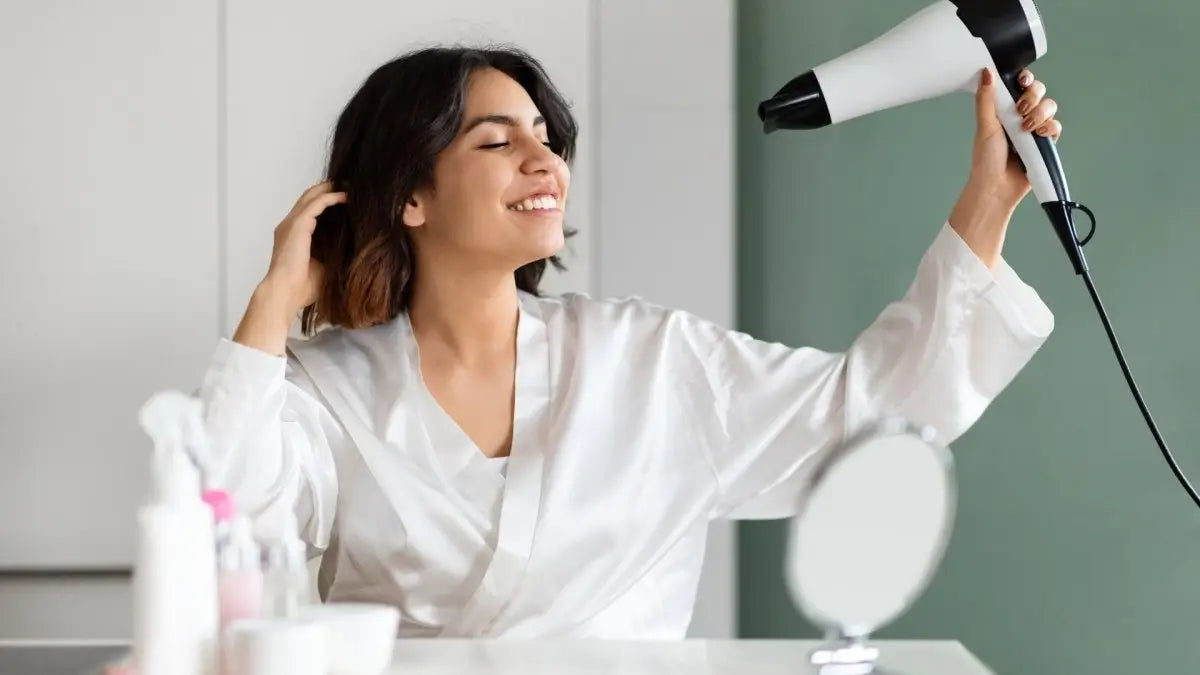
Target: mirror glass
[{"x": 872, "y": 529}]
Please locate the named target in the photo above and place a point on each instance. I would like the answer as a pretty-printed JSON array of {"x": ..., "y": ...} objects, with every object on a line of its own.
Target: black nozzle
[{"x": 800, "y": 104}]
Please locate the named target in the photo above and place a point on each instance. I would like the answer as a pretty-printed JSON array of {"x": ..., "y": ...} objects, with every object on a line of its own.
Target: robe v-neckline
[
  {"x": 453, "y": 445},
  {"x": 459, "y": 459}
]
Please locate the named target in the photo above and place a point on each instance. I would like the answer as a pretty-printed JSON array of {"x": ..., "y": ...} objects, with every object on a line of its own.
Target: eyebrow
[{"x": 504, "y": 120}]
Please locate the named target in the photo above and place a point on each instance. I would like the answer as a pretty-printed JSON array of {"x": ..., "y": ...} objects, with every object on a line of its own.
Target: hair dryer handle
[
  {"x": 1038, "y": 153},
  {"x": 1044, "y": 169}
]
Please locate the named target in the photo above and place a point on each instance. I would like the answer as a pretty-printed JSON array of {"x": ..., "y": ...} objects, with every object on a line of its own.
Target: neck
[{"x": 468, "y": 317}]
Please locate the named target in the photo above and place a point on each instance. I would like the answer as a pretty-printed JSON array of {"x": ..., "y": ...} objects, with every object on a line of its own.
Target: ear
[{"x": 414, "y": 213}]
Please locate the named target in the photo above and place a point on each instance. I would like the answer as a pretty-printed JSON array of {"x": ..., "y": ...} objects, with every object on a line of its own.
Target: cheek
[
  {"x": 470, "y": 194},
  {"x": 482, "y": 187},
  {"x": 564, "y": 176}
]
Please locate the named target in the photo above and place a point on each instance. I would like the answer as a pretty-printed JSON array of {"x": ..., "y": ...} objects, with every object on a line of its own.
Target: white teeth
[{"x": 543, "y": 203}]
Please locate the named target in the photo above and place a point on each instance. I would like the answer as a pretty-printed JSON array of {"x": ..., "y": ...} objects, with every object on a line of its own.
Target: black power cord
[{"x": 1137, "y": 395}]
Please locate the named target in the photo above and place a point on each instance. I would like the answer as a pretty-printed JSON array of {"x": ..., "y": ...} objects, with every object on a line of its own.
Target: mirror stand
[{"x": 844, "y": 655}]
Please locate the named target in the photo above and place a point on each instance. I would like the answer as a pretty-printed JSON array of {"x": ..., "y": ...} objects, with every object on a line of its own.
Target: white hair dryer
[{"x": 939, "y": 50}]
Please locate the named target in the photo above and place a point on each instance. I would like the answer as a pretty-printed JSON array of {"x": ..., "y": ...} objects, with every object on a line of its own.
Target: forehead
[{"x": 490, "y": 91}]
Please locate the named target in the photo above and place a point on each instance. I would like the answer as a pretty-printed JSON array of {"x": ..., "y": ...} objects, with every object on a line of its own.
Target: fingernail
[
  {"x": 1026, "y": 79},
  {"x": 1023, "y": 107},
  {"x": 1027, "y": 125}
]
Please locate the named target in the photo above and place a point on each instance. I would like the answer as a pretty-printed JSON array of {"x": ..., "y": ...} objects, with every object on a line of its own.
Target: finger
[
  {"x": 1025, "y": 77},
  {"x": 321, "y": 202},
  {"x": 313, "y": 191},
  {"x": 985, "y": 98},
  {"x": 307, "y": 214},
  {"x": 1040, "y": 114},
  {"x": 1052, "y": 128},
  {"x": 1033, "y": 95}
]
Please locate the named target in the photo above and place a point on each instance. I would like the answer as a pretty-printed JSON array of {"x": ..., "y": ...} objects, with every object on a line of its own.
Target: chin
[
  {"x": 554, "y": 244},
  {"x": 541, "y": 249},
  {"x": 546, "y": 241},
  {"x": 534, "y": 237},
  {"x": 543, "y": 253}
]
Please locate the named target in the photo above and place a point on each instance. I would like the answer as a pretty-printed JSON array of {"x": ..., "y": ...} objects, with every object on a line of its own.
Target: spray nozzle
[{"x": 175, "y": 422}]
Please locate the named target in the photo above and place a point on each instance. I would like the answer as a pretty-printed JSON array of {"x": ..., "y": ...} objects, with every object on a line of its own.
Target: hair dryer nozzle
[{"x": 800, "y": 104}]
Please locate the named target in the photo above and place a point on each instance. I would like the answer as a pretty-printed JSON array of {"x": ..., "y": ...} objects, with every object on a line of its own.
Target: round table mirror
[{"x": 871, "y": 531}]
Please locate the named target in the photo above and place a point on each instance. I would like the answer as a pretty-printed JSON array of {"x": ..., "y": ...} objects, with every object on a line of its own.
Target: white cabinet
[{"x": 108, "y": 181}]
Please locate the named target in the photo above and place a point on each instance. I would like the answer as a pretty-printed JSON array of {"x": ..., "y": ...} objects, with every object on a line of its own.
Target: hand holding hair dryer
[
  {"x": 939, "y": 50},
  {"x": 942, "y": 49}
]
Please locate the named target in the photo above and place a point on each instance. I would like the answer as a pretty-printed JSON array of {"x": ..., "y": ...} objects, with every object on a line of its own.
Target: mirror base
[{"x": 845, "y": 656}]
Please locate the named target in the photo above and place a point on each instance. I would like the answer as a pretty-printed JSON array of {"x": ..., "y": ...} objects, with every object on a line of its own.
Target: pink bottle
[{"x": 239, "y": 562}]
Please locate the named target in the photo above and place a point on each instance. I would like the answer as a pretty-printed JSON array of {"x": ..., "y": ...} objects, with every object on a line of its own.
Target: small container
[
  {"x": 221, "y": 503},
  {"x": 277, "y": 647},
  {"x": 362, "y": 636},
  {"x": 286, "y": 581},
  {"x": 239, "y": 574},
  {"x": 239, "y": 561}
]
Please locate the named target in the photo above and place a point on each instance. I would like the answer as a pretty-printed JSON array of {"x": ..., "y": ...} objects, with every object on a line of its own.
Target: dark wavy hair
[{"x": 383, "y": 149}]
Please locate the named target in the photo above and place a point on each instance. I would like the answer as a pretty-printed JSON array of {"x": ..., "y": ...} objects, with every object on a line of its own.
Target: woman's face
[{"x": 499, "y": 191}]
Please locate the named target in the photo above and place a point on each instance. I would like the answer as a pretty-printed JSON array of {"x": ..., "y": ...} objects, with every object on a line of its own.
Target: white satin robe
[{"x": 635, "y": 425}]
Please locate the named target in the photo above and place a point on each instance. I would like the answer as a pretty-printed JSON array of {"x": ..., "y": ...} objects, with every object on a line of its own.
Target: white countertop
[
  {"x": 560, "y": 657},
  {"x": 694, "y": 657}
]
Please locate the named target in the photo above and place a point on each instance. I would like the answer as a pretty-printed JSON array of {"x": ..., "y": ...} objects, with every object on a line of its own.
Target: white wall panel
[{"x": 108, "y": 228}]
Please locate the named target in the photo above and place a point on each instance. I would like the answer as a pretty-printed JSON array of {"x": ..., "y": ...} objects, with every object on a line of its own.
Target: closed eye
[{"x": 496, "y": 146}]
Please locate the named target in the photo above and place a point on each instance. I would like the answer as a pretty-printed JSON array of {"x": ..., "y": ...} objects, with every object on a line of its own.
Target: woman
[{"x": 497, "y": 463}]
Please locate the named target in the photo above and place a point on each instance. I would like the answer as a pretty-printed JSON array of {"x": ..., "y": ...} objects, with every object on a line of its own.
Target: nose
[{"x": 539, "y": 158}]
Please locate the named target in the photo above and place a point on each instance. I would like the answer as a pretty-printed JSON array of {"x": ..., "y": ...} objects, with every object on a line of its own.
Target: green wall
[{"x": 1074, "y": 550}]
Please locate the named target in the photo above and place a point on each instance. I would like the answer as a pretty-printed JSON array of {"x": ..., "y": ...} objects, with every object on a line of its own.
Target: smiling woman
[{"x": 495, "y": 462}]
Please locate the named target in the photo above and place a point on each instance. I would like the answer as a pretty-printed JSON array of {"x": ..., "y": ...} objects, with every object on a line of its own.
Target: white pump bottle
[{"x": 174, "y": 581}]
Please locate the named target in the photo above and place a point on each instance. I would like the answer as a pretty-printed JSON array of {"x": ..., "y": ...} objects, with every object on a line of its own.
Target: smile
[{"x": 540, "y": 203}]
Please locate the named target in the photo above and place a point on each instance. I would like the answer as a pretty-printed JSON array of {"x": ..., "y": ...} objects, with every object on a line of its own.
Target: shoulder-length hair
[{"x": 384, "y": 147}]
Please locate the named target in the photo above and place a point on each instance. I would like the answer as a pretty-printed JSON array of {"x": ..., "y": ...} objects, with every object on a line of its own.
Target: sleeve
[
  {"x": 938, "y": 356},
  {"x": 273, "y": 441}
]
